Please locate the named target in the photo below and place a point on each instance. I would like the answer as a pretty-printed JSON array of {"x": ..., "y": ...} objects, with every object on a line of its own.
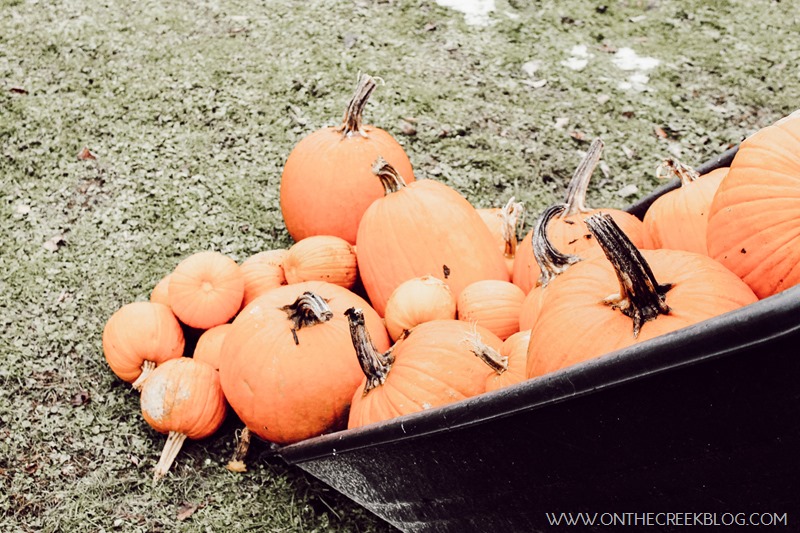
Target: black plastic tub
[{"x": 704, "y": 421}]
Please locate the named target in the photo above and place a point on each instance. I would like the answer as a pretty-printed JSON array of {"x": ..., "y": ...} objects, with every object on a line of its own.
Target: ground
[{"x": 191, "y": 108}]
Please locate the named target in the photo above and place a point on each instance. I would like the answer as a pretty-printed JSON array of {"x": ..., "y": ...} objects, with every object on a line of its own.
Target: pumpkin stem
[
  {"x": 374, "y": 364},
  {"x": 672, "y": 167},
  {"x": 551, "y": 262},
  {"x": 147, "y": 369},
  {"x": 484, "y": 352},
  {"x": 236, "y": 464},
  {"x": 640, "y": 296},
  {"x": 390, "y": 179},
  {"x": 351, "y": 125},
  {"x": 576, "y": 190},
  {"x": 168, "y": 454},
  {"x": 308, "y": 310},
  {"x": 510, "y": 213}
]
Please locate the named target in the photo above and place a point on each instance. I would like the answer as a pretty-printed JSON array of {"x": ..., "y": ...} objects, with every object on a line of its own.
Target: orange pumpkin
[
  {"x": 493, "y": 304},
  {"x": 160, "y": 293},
  {"x": 288, "y": 367},
  {"x": 416, "y": 301},
  {"x": 138, "y": 337},
  {"x": 606, "y": 303},
  {"x": 754, "y": 226},
  {"x": 322, "y": 258},
  {"x": 678, "y": 219},
  {"x": 502, "y": 223},
  {"x": 206, "y": 289},
  {"x": 209, "y": 345},
  {"x": 183, "y": 398},
  {"x": 568, "y": 232},
  {"x": 437, "y": 363},
  {"x": 326, "y": 184},
  {"x": 422, "y": 228},
  {"x": 262, "y": 272},
  {"x": 515, "y": 350}
]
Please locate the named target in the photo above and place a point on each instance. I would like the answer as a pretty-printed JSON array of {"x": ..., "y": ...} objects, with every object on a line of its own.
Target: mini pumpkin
[
  {"x": 262, "y": 272},
  {"x": 322, "y": 258},
  {"x": 493, "y": 304},
  {"x": 418, "y": 300}
]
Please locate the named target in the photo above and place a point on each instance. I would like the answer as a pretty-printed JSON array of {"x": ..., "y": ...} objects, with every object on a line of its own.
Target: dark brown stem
[
  {"x": 237, "y": 464},
  {"x": 640, "y": 296},
  {"x": 374, "y": 364},
  {"x": 351, "y": 125},
  {"x": 576, "y": 190},
  {"x": 308, "y": 310},
  {"x": 390, "y": 179},
  {"x": 510, "y": 214},
  {"x": 487, "y": 354},
  {"x": 673, "y": 167},
  {"x": 551, "y": 262}
]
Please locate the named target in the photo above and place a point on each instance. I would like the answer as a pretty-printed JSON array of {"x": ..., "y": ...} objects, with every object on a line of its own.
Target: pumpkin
[
  {"x": 322, "y": 258},
  {"x": 678, "y": 219},
  {"x": 422, "y": 228},
  {"x": 627, "y": 296},
  {"x": 515, "y": 350},
  {"x": 160, "y": 293},
  {"x": 754, "y": 225},
  {"x": 209, "y": 346},
  {"x": 437, "y": 363},
  {"x": 262, "y": 272},
  {"x": 288, "y": 367},
  {"x": 493, "y": 304},
  {"x": 568, "y": 232},
  {"x": 415, "y": 301},
  {"x": 182, "y": 398},
  {"x": 138, "y": 337},
  {"x": 502, "y": 223},
  {"x": 550, "y": 263},
  {"x": 326, "y": 184},
  {"x": 206, "y": 289}
]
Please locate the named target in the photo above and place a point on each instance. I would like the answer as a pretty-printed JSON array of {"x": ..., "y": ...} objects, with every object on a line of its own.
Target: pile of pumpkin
[{"x": 398, "y": 295}]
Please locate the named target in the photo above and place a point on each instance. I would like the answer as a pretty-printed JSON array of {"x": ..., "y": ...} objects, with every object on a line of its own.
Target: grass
[{"x": 192, "y": 108}]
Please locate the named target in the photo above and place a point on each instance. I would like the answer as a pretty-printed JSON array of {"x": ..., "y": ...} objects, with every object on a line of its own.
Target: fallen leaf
[
  {"x": 537, "y": 84},
  {"x": 85, "y": 154},
  {"x": 628, "y": 190},
  {"x": 630, "y": 154},
  {"x": 608, "y": 48},
  {"x": 431, "y": 26},
  {"x": 605, "y": 169},
  {"x": 660, "y": 133},
  {"x": 81, "y": 398},
  {"x": 18, "y": 90},
  {"x": 578, "y": 136},
  {"x": 406, "y": 128},
  {"x": 54, "y": 242},
  {"x": 186, "y": 510}
]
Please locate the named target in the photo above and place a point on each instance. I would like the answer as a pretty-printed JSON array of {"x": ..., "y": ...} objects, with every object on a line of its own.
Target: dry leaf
[
  {"x": 578, "y": 136},
  {"x": 53, "y": 243},
  {"x": 186, "y": 510},
  {"x": 85, "y": 154},
  {"x": 81, "y": 398},
  {"x": 660, "y": 133},
  {"x": 406, "y": 128},
  {"x": 18, "y": 90}
]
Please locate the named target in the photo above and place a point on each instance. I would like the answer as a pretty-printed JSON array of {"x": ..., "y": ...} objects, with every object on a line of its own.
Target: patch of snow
[
  {"x": 476, "y": 12},
  {"x": 628, "y": 60},
  {"x": 579, "y": 57}
]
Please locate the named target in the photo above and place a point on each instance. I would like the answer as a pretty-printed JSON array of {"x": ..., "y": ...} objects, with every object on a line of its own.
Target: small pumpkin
[
  {"x": 182, "y": 398},
  {"x": 422, "y": 228},
  {"x": 502, "y": 223},
  {"x": 160, "y": 293},
  {"x": 678, "y": 219},
  {"x": 322, "y": 258},
  {"x": 568, "y": 233},
  {"x": 287, "y": 366},
  {"x": 754, "y": 225},
  {"x": 262, "y": 272},
  {"x": 437, "y": 363},
  {"x": 493, "y": 304},
  {"x": 209, "y": 346},
  {"x": 326, "y": 184},
  {"x": 138, "y": 337},
  {"x": 206, "y": 289},
  {"x": 515, "y": 350},
  {"x": 606, "y": 303},
  {"x": 418, "y": 300}
]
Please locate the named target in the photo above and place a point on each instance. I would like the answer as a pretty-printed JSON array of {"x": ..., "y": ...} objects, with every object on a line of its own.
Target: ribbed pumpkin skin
[
  {"x": 139, "y": 332},
  {"x": 525, "y": 272},
  {"x": 493, "y": 304},
  {"x": 262, "y": 272},
  {"x": 160, "y": 293},
  {"x": 493, "y": 218},
  {"x": 285, "y": 392},
  {"x": 327, "y": 184},
  {"x": 206, "y": 289},
  {"x": 184, "y": 396},
  {"x": 209, "y": 345},
  {"x": 754, "y": 226},
  {"x": 419, "y": 230},
  {"x": 516, "y": 349},
  {"x": 574, "y": 325},
  {"x": 433, "y": 366},
  {"x": 416, "y": 301},
  {"x": 678, "y": 219},
  {"x": 321, "y": 258}
]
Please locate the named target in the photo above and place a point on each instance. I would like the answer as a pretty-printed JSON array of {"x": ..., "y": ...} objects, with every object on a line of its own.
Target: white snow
[
  {"x": 476, "y": 12},
  {"x": 578, "y": 57},
  {"x": 628, "y": 60}
]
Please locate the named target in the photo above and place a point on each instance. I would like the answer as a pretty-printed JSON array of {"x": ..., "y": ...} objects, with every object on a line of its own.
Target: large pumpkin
[
  {"x": 422, "y": 228},
  {"x": 754, "y": 226},
  {"x": 288, "y": 367},
  {"x": 326, "y": 184},
  {"x": 627, "y": 296}
]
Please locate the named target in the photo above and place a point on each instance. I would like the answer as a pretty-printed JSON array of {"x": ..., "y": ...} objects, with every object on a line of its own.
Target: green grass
[{"x": 192, "y": 108}]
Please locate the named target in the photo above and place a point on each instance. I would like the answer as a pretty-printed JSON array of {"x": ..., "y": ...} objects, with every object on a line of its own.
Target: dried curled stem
[
  {"x": 578, "y": 185},
  {"x": 390, "y": 179},
  {"x": 374, "y": 364},
  {"x": 672, "y": 167},
  {"x": 352, "y": 123}
]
